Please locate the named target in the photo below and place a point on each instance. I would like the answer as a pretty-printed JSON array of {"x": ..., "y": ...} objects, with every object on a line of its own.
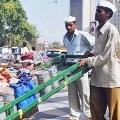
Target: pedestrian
[
  {"x": 105, "y": 82},
  {"x": 24, "y": 49},
  {"x": 33, "y": 49},
  {"x": 37, "y": 57},
  {"x": 77, "y": 43}
]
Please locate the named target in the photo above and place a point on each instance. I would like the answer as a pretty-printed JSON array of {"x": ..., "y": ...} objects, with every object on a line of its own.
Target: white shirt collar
[
  {"x": 76, "y": 32},
  {"x": 104, "y": 27}
]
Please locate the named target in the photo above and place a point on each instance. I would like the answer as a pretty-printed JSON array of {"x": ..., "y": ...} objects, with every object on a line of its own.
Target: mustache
[{"x": 96, "y": 16}]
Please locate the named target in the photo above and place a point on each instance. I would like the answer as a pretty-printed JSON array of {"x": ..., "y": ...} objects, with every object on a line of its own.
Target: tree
[{"x": 14, "y": 28}]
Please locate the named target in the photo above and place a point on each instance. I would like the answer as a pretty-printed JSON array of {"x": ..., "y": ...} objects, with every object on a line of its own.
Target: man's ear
[
  {"x": 75, "y": 25},
  {"x": 108, "y": 13}
]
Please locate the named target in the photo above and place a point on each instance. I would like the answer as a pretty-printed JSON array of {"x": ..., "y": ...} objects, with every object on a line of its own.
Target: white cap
[
  {"x": 70, "y": 19},
  {"x": 107, "y": 4}
]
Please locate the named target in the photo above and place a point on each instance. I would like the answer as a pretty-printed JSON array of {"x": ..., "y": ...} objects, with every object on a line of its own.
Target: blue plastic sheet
[{"x": 24, "y": 85}]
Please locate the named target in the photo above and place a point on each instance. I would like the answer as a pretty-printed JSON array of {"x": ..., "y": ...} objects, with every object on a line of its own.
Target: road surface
[{"x": 56, "y": 108}]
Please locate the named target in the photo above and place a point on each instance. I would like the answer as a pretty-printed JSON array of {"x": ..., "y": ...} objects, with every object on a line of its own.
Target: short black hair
[
  {"x": 33, "y": 48},
  {"x": 24, "y": 44},
  {"x": 108, "y": 10}
]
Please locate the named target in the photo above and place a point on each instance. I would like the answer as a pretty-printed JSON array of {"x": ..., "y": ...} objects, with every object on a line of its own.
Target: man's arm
[
  {"x": 106, "y": 54},
  {"x": 89, "y": 40}
]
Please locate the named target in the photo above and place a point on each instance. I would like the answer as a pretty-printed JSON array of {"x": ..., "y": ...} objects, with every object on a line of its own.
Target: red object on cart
[{"x": 27, "y": 56}]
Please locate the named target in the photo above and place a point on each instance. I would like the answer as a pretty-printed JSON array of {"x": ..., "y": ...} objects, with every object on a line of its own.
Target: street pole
[
  {"x": 46, "y": 19},
  {"x": 55, "y": 1}
]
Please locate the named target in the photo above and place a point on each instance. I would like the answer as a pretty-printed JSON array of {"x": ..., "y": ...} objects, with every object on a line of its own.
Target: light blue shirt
[{"x": 80, "y": 43}]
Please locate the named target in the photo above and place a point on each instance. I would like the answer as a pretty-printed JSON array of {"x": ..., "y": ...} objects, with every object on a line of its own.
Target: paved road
[{"x": 55, "y": 108}]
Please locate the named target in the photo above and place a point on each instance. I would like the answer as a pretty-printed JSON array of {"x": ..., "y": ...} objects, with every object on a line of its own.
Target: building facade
[
  {"x": 116, "y": 18},
  {"x": 84, "y": 11}
]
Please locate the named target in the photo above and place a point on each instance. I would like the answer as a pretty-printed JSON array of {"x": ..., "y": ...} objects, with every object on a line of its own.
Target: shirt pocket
[{"x": 101, "y": 44}]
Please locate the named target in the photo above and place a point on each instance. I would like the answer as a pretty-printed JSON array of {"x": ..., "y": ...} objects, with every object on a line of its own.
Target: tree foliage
[{"x": 14, "y": 28}]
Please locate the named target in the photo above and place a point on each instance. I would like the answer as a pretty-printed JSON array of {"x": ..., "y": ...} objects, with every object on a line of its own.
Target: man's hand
[
  {"x": 82, "y": 62},
  {"x": 88, "y": 54}
]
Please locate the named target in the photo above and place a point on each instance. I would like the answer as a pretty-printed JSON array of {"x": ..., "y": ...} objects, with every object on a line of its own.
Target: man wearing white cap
[
  {"x": 105, "y": 82},
  {"x": 77, "y": 43}
]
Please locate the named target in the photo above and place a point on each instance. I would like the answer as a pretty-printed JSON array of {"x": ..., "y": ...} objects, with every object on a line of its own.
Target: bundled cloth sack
[
  {"x": 5, "y": 74},
  {"x": 24, "y": 85},
  {"x": 27, "y": 56}
]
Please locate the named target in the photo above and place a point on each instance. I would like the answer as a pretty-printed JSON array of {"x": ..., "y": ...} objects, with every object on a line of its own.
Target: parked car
[
  {"x": 16, "y": 50},
  {"x": 55, "y": 52}
]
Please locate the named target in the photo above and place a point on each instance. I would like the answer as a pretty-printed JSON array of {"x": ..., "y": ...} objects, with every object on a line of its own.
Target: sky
[{"x": 48, "y": 17}]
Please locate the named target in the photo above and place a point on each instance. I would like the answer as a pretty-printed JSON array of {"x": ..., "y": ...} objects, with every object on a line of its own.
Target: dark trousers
[{"x": 101, "y": 98}]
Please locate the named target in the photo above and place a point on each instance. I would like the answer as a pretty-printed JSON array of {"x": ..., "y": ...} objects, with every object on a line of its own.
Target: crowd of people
[{"x": 21, "y": 57}]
